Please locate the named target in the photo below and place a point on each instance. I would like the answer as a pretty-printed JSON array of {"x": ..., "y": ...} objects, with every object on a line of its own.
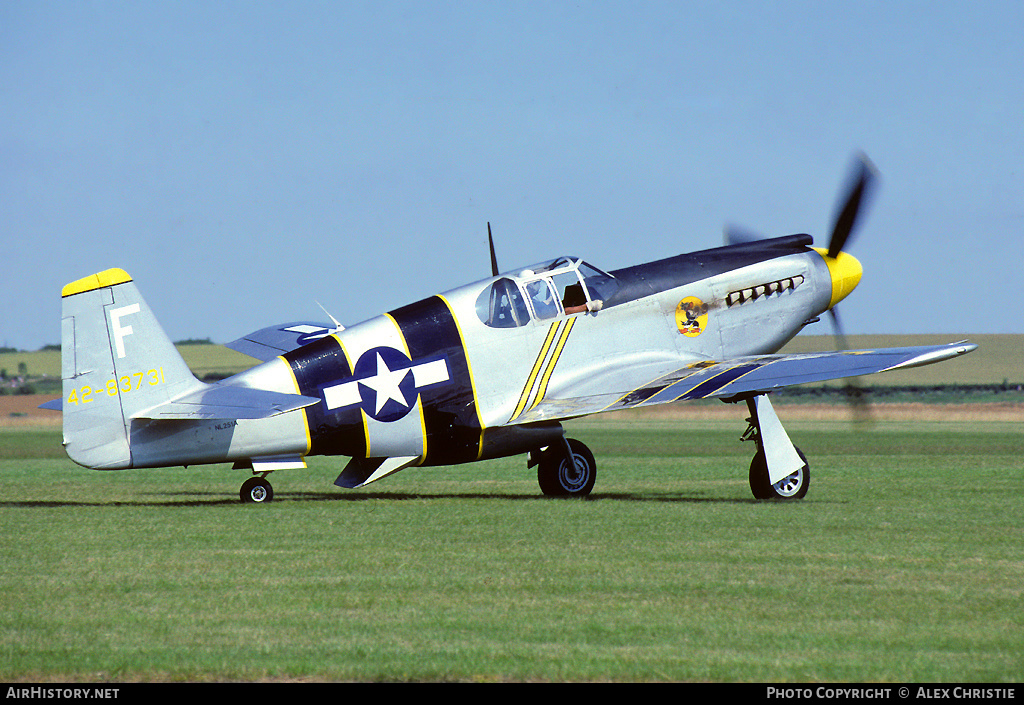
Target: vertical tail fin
[{"x": 116, "y": 361}]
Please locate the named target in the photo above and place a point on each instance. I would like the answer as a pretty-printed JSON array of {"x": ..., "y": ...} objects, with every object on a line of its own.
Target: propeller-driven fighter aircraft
[{"x": 487, "y": 370}]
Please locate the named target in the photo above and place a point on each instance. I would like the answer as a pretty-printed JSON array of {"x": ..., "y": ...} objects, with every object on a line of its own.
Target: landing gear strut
[
  {"x": 779, "y": 469},
  {"x": 256, "y": 490},
  {"x": 560, "y": 477}
]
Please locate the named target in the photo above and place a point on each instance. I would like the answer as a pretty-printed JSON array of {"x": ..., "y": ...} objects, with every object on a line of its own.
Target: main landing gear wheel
[
  {"x": 557, "y": 478},
  {"x": 256, "y": 490},
  {"x": 790, "y": 487}
]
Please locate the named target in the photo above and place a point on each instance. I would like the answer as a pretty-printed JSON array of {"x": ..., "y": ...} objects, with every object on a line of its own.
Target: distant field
[
  {"x": 202, "y": 359},
  {"x": 999, "y": 358}
]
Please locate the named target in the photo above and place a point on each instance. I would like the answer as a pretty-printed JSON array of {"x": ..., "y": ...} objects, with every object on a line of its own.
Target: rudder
[{"x": 116, "y": 362}]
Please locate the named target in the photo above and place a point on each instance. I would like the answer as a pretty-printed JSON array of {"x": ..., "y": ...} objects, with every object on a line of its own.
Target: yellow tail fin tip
[{"x": 100, "y": 280}]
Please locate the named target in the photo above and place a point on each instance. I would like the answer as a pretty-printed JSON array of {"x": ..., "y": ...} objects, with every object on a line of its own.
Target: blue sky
[{"x": 246, "y": 160}]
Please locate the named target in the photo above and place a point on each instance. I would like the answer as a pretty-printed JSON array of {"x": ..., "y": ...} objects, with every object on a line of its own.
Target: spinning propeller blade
[
  {"x": 861, "y": 188},
  {"x": 862, "y": 181},
  {"x": 856, "y": 394},
  {"x": 845, "y": 270}
]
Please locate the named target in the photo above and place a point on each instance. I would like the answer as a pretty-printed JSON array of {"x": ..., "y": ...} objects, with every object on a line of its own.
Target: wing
[
  {"x": 745, "y": 376},
  {"x": 267, "y": 343}
]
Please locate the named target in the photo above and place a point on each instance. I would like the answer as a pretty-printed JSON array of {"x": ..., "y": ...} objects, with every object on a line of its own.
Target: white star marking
[{"x": 385, "y": 384}]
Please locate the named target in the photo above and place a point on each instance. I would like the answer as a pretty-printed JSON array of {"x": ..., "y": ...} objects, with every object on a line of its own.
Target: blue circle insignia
[{"x": 387, "y": 386}]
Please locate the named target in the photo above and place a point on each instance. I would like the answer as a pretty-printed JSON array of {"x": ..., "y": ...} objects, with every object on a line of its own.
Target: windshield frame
[{"x": 586, "y": 280}]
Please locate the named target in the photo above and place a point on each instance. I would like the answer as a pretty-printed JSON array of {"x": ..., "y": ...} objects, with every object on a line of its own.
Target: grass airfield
[{"x": 903, "y": 564}]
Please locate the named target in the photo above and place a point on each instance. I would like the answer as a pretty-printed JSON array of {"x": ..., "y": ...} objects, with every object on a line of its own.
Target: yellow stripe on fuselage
[
  {"x": 419, "y": 401},
  {"x": 362, "y": 414},
  {"x": 537, "y": 382},
  {"x": 541, "y": 356},
  {"x": 305, "y": 416},
  {"x": 472, "y": 382},
  {"x": 562, "y": 339}
]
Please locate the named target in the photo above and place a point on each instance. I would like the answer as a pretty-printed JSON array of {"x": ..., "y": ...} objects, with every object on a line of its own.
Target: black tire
[
  {"x": 794, "y": 486},
  {"x": 558, "y": 479},
  {"x": 256, "y": 490}
]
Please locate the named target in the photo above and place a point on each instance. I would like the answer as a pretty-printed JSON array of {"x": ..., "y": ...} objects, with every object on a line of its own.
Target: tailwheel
[
  {"x": 793, "y": 486},
  {"x": 256, "y": 490},
  {"x": 559, "y": 478}
]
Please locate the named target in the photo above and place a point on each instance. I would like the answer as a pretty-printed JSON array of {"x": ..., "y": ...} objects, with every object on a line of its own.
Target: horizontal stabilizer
[
  {"x": 216, "y": 402},
  {"x": 267, "y": 343}
]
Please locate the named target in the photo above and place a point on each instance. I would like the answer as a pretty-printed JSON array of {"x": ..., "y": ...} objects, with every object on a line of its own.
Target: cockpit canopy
[{"x": 564, "y": 286}]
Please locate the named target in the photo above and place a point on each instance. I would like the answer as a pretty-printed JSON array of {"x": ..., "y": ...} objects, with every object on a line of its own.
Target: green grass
[{"x": 903, "y": 564}]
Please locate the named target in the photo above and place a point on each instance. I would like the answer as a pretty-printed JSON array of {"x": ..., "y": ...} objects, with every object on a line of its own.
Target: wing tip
[{"x": 938, "y": 354}]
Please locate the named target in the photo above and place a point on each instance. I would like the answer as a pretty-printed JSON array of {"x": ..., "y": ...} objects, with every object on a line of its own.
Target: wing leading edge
[{"x": 747, "y": 376}]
